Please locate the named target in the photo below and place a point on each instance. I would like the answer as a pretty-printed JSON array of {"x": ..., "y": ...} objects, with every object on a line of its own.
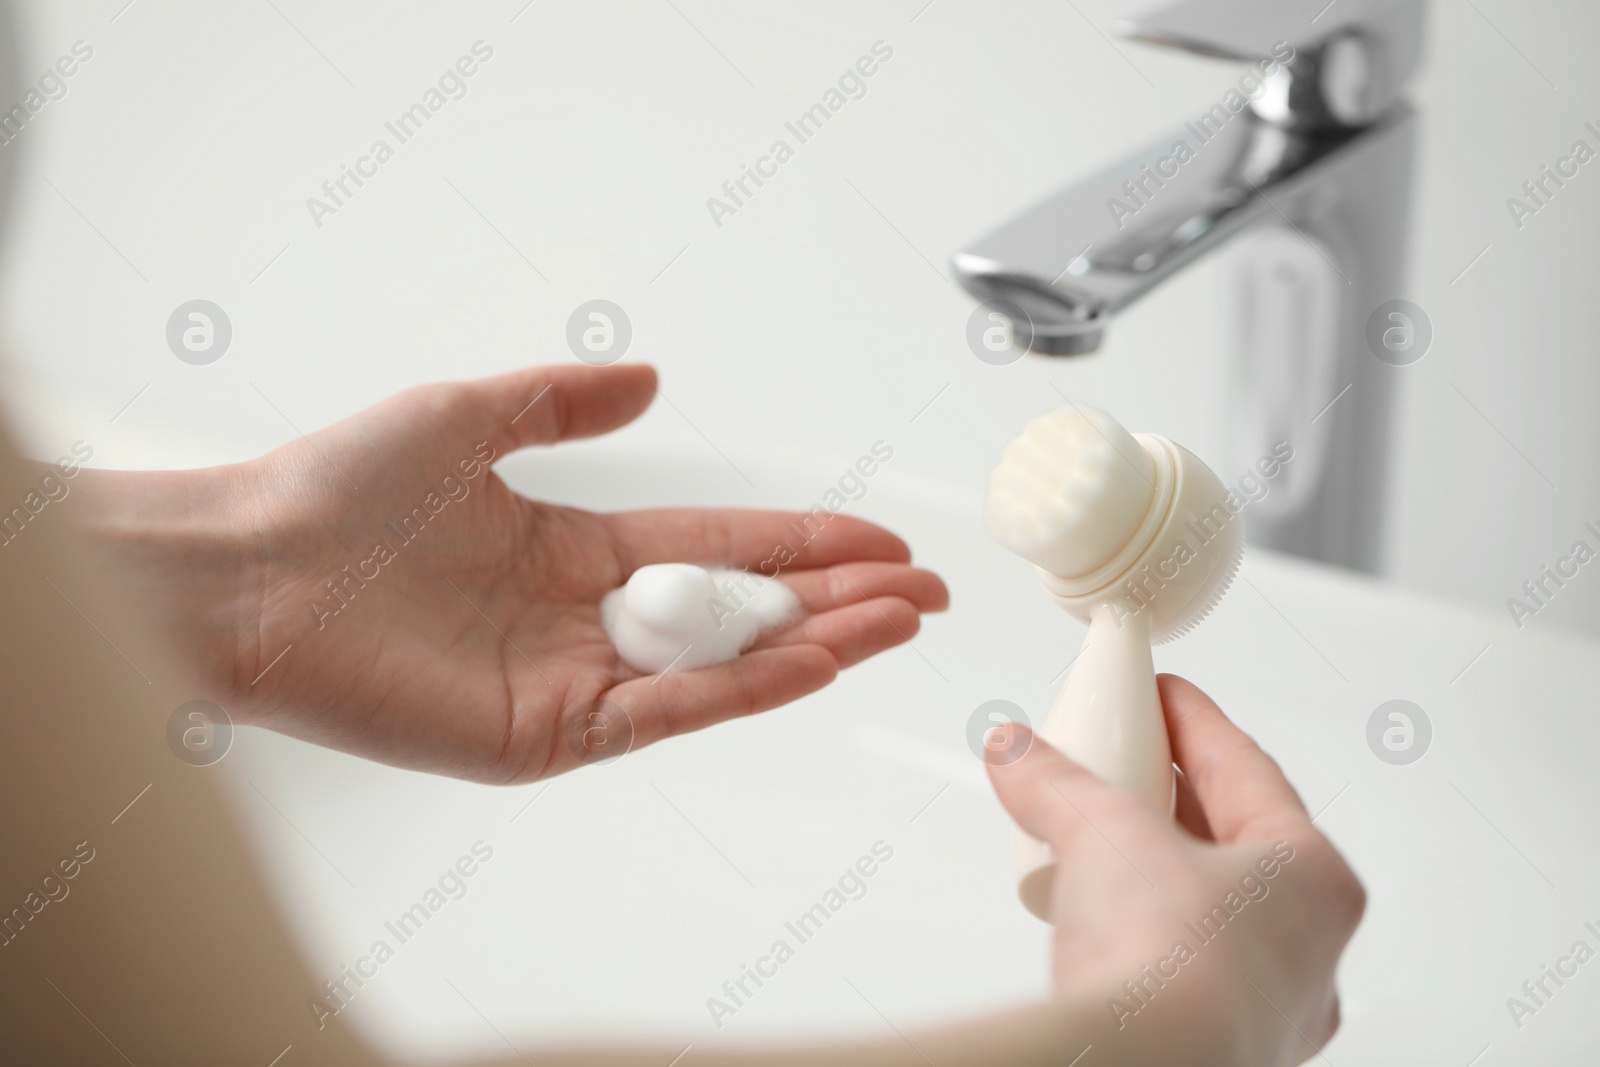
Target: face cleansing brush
[{"x": 1134, "y": 536}]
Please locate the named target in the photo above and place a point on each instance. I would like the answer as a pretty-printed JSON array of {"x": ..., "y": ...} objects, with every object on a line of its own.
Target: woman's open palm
[{"x": 392, "y": 597}]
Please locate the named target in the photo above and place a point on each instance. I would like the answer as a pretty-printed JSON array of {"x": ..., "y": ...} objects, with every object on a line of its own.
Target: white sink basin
[{"x": 619, "y": 899}]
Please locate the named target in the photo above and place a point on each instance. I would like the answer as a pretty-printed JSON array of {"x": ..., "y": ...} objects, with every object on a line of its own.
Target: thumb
[
  {"x": 1055, "y": 799},
  {"x": 546, "y": 404}
]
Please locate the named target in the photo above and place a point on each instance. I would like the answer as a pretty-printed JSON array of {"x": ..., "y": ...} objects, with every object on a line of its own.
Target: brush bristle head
[
  {"x": 1109, "y": 517},
  {"x": 1070, "y": 491}
]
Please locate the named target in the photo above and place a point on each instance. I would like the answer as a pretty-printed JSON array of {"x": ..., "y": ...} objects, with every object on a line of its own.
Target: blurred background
[{"x": 178, "y": 163}]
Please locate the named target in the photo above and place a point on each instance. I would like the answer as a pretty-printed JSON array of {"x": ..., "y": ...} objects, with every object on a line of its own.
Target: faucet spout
[
  {"x": 1086, "y": 254},
  {"x": 1052, "y": 317}
]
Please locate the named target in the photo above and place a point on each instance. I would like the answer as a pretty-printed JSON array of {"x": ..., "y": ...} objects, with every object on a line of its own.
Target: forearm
[{"x": 1050, "y": 1034}]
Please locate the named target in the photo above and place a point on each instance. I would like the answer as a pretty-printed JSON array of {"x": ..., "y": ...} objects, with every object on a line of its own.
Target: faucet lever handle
[{"x": 1343, "y": 62}]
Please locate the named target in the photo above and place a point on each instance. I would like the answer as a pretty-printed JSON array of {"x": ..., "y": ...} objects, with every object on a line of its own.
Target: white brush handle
[{"x": 1108, "y": 719}]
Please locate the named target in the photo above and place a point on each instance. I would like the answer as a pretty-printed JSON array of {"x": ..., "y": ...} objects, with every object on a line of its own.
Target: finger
[
  {"x": 1242, "y": 789},
  {"x": 767, "y": 542},
  {"x": 679, "y": 702},
  {"x": 542, "y": 405},
  {"x": 1190, "y": 813},
  {"x": 855, "y": 632},
  {"x": 825, "y": 588},
  {"x": 1059, "y": 802}
]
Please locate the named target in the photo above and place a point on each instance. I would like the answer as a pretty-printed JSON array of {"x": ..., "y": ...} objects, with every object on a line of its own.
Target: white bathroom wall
[{"x": 579, "y": 163}]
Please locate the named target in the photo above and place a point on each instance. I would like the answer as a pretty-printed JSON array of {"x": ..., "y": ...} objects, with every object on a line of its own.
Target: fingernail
[{"x": 1006, "y": 744}]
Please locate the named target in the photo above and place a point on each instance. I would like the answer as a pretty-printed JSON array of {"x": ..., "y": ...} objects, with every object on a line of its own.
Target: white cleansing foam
[{"x": 682, "y": 616}]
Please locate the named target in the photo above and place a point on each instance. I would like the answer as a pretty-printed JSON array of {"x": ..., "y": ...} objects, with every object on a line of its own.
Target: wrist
[
  {"x": 1128, "y": 995},
  {"x": 180, "y": 546},
  {"x": 1058, "y": 1031},
  {"x": 151, "y": 522}
]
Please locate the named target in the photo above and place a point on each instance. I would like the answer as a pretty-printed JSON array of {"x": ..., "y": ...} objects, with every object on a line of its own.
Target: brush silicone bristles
[{"x": 1230, "y": 554}]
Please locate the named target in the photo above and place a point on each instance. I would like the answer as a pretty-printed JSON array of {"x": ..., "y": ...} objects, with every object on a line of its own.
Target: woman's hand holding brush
[{"x": 1212, "y": 939}]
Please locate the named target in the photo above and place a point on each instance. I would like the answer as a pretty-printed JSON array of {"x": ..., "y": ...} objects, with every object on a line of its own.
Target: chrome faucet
[{"x": 1310, "y": 162}]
